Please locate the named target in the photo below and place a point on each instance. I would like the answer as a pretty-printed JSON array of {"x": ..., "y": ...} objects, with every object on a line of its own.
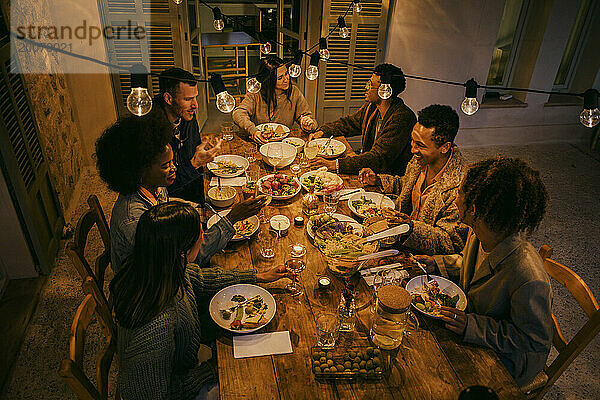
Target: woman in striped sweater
[{"x": 159, "y": 328}]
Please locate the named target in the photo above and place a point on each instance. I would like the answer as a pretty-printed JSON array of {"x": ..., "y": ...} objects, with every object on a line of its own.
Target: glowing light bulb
[
  {"x": 218, "y": 22},
  {"x": 139, "y": 101},
  {"x": 177, "y": 1},
  {"x": 345, "y": 32},
  {"x": 225, "y": 102},
  {"x": 253, "y": 85},
  {"x": 265, "y": 48},
  {"x": 590, "y": 118},
  {"x": 312, "y": 72},
  {"x": 385, "y": 91},
  {"x": 357, "y": 6},
  {"x": 470, "y": 105},
  {"x": 295, "y": 70},
  {"x": 324, "y": 53}
]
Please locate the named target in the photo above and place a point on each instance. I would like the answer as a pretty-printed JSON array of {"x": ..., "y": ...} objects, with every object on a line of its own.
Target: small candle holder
[
  {"x": 297, "y": 250},
  {"x": 324, "y": 282}
]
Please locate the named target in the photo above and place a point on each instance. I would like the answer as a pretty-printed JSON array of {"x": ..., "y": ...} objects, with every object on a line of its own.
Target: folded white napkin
[
  {"x": 262, "y": 344},
  {"x": 237, "y": 181},
  {"x": 345, "y": 194}
]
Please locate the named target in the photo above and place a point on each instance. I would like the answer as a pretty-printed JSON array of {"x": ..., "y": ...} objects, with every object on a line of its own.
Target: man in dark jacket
[
  {"x": 385, "y": 126},
  {"x": 177, "y": 99}
]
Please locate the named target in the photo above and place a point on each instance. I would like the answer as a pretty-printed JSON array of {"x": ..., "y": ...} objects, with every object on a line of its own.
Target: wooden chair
[
  {"x": 567, "y": 350},
  {"x": 72, "y": 369},
  {"x": 76, "y": 249},
  {"x": 103, "y": 309}
]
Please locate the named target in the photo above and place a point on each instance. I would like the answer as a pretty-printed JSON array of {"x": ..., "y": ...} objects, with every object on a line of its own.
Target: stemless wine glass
[
  {"x": 227, "y": 131},
  {"x": 263, "y": 215},
  {"x": 311, "y": 150},
  {"x": 295, "y": 266},
  {"x": 251, "y": 187}
]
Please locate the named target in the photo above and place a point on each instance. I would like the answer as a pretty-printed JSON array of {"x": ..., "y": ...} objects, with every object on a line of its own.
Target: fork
[
  {"x": 215, "y": 212},
  {"x": 412, "y": 257}
]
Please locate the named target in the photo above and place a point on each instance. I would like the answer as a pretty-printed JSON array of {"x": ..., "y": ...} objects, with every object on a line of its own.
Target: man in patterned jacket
[{"x": 428, "y": 190}]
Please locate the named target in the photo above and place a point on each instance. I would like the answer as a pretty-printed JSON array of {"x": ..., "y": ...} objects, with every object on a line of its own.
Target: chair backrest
[
  {"x": 72, "y": 368},
  {"x": 76, "y": 249},
  {"x": 569, "y": 350},
  {"x": 103, "y": 308}
]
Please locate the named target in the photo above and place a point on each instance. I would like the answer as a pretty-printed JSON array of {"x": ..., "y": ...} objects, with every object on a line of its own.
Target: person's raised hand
[
  {"x": 205, "y": 153},
  {"x": 308, "y": 124},
  {"x": 315, "y": 135},
  {"x": 246, "y": 209},
  {"x": 273, "y": 274},
  {"x": 427, "y": 262},
  {"x": 318, "y": 162},
  {"x": 367, "y": 177}
]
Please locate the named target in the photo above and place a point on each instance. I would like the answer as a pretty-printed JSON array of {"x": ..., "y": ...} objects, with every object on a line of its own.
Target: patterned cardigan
[{"x": 438, "y": 229}]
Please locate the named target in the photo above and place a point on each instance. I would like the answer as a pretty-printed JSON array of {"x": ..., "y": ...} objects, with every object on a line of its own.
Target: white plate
[
  {"x": 311, "y": 173},
  {"x": 232, "y": 158},
  {"x": 340, "y": 217},
  {"x": 222, "y": 300},
  {"x": 378, "y": 198},
  {"x": 334, "y": 149},
  {"x": 274, "y": 125},
  {"x": 285, "y": 197},
  {"x": 253, "y": 219},
  {"x": 446, "y": 286}
]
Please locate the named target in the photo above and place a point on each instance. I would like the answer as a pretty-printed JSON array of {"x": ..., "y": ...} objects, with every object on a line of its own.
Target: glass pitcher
[{"x": 392, "y": 317}]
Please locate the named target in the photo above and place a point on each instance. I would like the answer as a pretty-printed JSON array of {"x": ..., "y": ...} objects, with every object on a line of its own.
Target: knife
[{"x": 396, "y": 230}]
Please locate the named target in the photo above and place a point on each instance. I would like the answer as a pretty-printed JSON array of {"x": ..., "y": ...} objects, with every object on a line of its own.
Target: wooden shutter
[
  {"x": 341, "y": 88},
  {"x": 162, "y": 48},
  {"x": 25, "y": 169}
]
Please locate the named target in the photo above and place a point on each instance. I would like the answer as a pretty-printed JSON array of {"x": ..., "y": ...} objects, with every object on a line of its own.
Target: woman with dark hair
[
  {"x": 278, "y": 101},
  {"x": 135, "y": 159},
  {"x": 508, "y": 290},
  {"x": 156, "y": 310}
]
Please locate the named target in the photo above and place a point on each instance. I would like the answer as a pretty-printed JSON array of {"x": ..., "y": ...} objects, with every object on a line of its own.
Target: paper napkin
[
  {"x": 262, "y": 344},
  {"x": 237, "y": 181}
]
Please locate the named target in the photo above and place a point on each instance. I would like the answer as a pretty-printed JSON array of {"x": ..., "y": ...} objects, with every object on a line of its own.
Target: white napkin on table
[
  {"x": 262, "y": 344},
  {"x": 237, "y": 181}
]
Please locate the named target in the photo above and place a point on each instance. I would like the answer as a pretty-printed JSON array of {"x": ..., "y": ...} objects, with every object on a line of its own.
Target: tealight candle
[
  {"x": 324, "y": 282},
  {"x": 280, "y": 224},
  {"x": 298, "y": 250}
]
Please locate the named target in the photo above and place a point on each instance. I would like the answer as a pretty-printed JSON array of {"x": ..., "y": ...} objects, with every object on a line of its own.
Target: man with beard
[
  {"x": 177, "y": 99},
  {"x": 427, "y": 191}
]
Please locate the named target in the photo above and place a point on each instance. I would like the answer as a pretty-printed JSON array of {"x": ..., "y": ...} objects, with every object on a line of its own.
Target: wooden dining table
[{"x": 431, "y": 362}]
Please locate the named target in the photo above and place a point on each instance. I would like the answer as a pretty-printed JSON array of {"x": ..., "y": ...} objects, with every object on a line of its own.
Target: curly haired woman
[{"x": 508, "y": 290}]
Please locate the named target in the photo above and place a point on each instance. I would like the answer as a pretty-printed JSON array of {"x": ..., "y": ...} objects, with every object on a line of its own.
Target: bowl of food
[
  {"x": 296, "y": 142},
  {"x": 222, "y": 196},
  {"x": 278, "y": 155}
]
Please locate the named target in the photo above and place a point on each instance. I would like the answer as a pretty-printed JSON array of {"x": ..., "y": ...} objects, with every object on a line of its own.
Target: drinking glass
[
  {"x": 227, "y": 131},
  {"x": 327, "y": 330},
  {"x": 250, "y": 153},
  {"x": 275, "y": 155},
  {"x": 295, "y": 266},
  {"x": 311, "y": 150},
  {"x": 251, "y": 187},
  {"x": 263, "y": 215},
  {"x": 331, "y": 201},
  {"x": 267, "y": 241},
  {"x": 303, "y": 160}
]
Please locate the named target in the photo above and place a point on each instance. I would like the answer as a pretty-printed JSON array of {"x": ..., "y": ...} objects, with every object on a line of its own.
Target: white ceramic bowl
[
  {"x": 288, "y": 151},
  {"x": 296, "y": 142},
  {"x": 223, "y": 199}
]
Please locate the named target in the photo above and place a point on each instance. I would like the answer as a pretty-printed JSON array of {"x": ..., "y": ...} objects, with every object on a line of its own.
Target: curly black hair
[
  {"x": 130, "y": 146},
  {"x": 444, "y": 119},
  {"x": 398, "y": 79},
  {"x": 507, "y": 194}
]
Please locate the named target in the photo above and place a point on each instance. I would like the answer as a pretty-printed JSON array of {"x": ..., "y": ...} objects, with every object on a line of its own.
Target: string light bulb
[
  {"x": 254, "y": 84},
  {"x": 265, "y": 47},
  {"x": 295, "y": 70},
  {"x": 470, "y": 105},
  {"x": 344, "y": 31},
  {"x": 177, "y": 1},
  {"x": 323, "y": 52},
  {"x": 357, "y": 6},
  {"x": 139, "y": 101},
  {"x": 385, "y": 88},
  {"x": 225, "y": 101},
  {"x": 218, "y": 23},
  {"x": 590, "y": 116},
  {"x": 312, "y": 72}
]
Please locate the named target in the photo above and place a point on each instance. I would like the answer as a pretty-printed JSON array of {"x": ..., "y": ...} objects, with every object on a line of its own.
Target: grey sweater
[
  {"x": 160, "y": 359},
  {"x": 253, "y": 111}
]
